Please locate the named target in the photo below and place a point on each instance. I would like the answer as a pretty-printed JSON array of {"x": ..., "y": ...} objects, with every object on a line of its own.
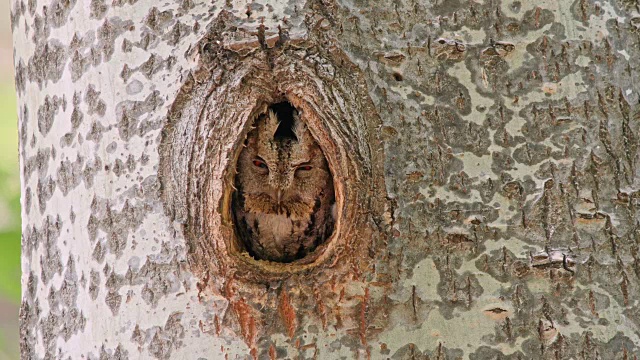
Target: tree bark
[{"x": 484, "y": 154}]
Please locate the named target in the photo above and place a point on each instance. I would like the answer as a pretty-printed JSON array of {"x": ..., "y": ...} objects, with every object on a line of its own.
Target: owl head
[{"x": 282, "y": 170}]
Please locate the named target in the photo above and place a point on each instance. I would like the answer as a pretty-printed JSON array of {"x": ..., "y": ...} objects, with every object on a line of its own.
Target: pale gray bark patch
[
  {"x": 79, "y": 65},
  {"x": 159, "y": 21},
  {"x": 160, "y": 276},
  {"x": 154, "y": 65},
  {"x": 58, "y": 12},
  {"x": 76, "y": 115},
  {"x": 110, "y": 354},
  {"x": 411, "y": 351},
  {"x": 94, "y": 284},
  {"x": 31, "y": 5},
  {"x": 126, "y": 72},
  {"x": 99, "y": 250},
  {"x": 37, "y": 163},
  {"x": 18, "y": 8},
  {"x": 44, "y": 191},
  {"x": 129, "y": 115},
  {"x": 95, "y": 132},
  {"x": 178, "y": 31},
  {"x": 90, "y": 170},
  {"x": 47, "y": 112},
  {"x": 155, "y": 28},
  {"x": 63, "y": 301},
  {"x": 113, "y": 224},
  {"x": 95, "y": 105},
  {"x": 163, "y": 340},
  {"x": 111, "y": 29},
  {"x": 20, "y": 74},
  {"x": 134, "y": 87},
  {"x": 123, "y": 2},
  {"x": 95, "y": 46},
  {"x": 28, "y": 198},
  {"x": 41, "y": 29},
  {"x": 70, "y": 174},
  {"x": 98, "y": 9},
  {"x": 47, "y": 63},
  {"x": 23, "y": 135},
  {"x": 113, "y": 301},
  {"x": 47, "y": 237}
]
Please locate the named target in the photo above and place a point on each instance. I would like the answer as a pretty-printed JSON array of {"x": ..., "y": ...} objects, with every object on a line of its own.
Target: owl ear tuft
[
  {"x": 270, "y": 124},
  {"x": 300, "y": 129}
]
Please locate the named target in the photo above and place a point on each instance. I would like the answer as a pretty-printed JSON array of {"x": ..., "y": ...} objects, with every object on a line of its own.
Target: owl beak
[{"x": 279, "y": 196}]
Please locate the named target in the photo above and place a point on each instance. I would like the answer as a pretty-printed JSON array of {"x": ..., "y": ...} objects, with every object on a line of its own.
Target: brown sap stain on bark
[
  {"x": 288, "y": 314},
  {"x": 246, "y": 320}
]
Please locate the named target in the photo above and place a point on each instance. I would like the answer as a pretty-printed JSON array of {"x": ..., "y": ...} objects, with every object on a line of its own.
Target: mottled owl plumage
[{"x": 284, "y": 199}]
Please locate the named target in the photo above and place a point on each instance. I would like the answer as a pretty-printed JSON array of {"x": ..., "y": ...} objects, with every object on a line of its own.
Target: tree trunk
[{"x": 484, "y": 156}]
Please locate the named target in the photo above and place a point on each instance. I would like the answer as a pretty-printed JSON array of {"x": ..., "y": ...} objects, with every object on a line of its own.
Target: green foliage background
[
  {"x": 10, "y": 228},
  {"x": 9, "y": 223},
  {"x": 9, "y": 197}
]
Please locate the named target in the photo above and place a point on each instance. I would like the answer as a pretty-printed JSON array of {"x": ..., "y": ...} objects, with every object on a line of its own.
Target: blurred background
[{"x": 9, "y": 196}]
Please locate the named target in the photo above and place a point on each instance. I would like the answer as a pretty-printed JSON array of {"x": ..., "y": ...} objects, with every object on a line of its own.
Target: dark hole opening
[
  {"x": 284, "y": 110},
  {"x": 397, "y": 76}
]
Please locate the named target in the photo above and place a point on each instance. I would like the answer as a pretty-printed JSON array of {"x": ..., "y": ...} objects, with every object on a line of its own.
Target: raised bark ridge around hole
[{"x": 211, "y": 118}]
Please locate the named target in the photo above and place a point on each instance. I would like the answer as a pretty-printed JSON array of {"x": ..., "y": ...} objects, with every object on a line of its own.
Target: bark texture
[{"x": 485, "y": 155}]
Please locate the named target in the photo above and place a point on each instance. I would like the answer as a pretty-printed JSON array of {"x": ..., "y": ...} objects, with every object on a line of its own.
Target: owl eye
[
  {"x": 259, "y": 163},
  {"x": 305, "y": 167}
]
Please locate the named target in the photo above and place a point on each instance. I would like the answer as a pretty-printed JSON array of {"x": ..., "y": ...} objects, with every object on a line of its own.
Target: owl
[{"x": 284, "y": 203}]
